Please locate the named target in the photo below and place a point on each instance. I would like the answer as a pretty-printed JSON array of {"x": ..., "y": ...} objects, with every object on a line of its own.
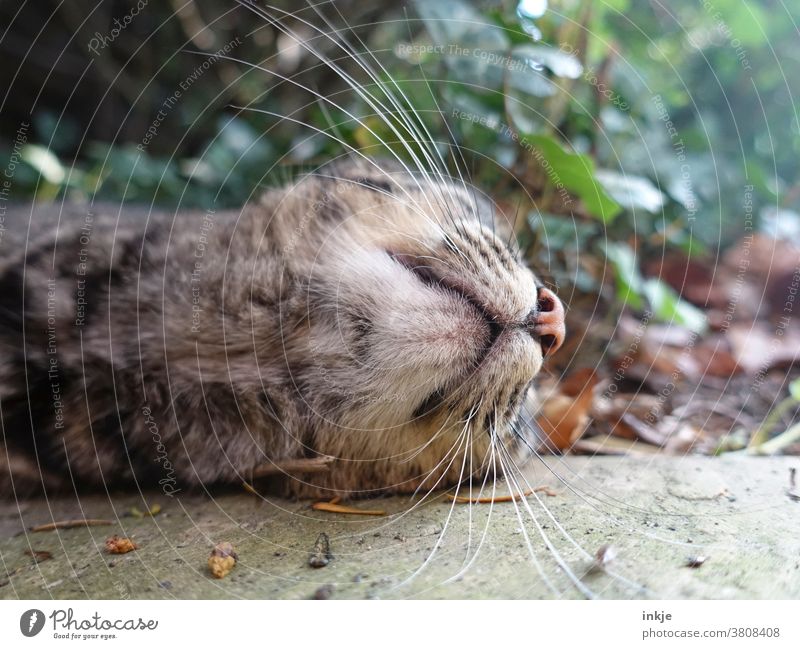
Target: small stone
[
  {"x": 321, "y": 553},
  {"x": 323, "y": 592},
  {"x": 222, "y": 560},
  {"x": 695, "y": 561}
]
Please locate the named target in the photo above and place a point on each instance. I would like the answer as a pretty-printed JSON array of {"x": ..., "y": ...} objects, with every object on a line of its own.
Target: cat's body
[{"x": 367, "y": 316}]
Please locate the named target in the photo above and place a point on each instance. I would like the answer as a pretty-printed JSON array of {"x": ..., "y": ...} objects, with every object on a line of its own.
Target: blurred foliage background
[{"x": 616, "y": 130}]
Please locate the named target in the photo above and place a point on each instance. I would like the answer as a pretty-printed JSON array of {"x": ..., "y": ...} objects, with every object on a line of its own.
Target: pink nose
[{"x": 546, "y": 322}]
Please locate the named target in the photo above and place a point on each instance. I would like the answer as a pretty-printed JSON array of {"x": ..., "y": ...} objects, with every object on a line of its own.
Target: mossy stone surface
[{"x": 656, "y": 513}]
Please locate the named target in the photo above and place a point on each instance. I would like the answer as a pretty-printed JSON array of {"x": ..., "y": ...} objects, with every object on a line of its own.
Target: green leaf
[
  {"x": 453, "y": 22},
  {"x": 626, "y": 273},
  {"x": 632, "y": 192},
  {"x": 559, "y": 63},
  {"x": 530, "y": 81},
  {"x": 780, "y": 223},
  {"x": 794, "y": 389},
  {"x": 45, "y": 162},
  {"x": 561, "y": 232},
  {"x": 531, "y": 8},
  {"x": 667, "y": 306},
  {"x": 241, "y": 139},
  {"x": 762, "y": 182},
  {"x": 573, "y": 171}
]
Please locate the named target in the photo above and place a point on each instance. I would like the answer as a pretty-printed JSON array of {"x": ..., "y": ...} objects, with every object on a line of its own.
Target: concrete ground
[{"x": 657, "y": 514}]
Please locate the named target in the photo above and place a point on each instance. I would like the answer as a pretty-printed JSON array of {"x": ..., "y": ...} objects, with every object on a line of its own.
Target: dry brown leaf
[
  {"x": 120, "y": 545},
  {"x": 693, "y": 278},
  {"x": 642, "y": 431},
  {"x": 639, "y": 404},
  {"x": 758, "y": 347},
  {"x": 565, "y": 412},
  {"x": 39, "y": 555},
  {"x": 152, "y": 511},
  {"x": 760, "y": 272},
  {"x": 714, "y": 359},
  {"x": 682, "y": 436}
]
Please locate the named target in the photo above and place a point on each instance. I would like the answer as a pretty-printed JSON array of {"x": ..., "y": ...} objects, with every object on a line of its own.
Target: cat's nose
[{"x": 546, "y": 321}]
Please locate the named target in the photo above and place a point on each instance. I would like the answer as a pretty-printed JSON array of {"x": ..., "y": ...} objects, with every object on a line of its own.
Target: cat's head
[{"x": 421, "y": 317}]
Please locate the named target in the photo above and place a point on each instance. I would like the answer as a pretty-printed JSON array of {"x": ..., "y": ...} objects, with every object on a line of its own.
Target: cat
[{"x": 364, "y": 329}]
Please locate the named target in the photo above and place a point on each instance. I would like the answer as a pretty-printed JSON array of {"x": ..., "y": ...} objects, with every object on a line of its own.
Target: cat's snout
[{"x": 546, "y": 321}]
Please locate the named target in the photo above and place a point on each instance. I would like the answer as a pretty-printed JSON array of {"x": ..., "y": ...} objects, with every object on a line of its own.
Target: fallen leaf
[
  {"x": 643, "y": 431},
  {"x": 138, "y": 513},
  {"x": 39, "y": 555},
  {"x": 692, "y": 277},
  {"x": 758, "y": 347},
  {"x": 565, "y": 412},
  {"x": 638, "y": 404},
  {"x": 120, "y": 545},
  {"x": 714, "y": 358}
]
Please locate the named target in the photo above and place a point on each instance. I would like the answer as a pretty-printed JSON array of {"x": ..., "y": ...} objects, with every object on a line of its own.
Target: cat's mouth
[
  {"x": 430, "y": 277},
  {"x": 459, "y": 392}
]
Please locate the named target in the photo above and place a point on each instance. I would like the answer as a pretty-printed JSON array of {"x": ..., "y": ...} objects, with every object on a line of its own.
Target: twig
[
  {"x": 789, "y": 436},
  {"x": 9, "y": 575},
  {"x": 344, "y": 509},
  {"x": 759, "y": 438},
  {"x": 249, "y": 488},
  {"x": 66, "y": 525},
  {"x": 501, "y": 499},
  {"x": 300, "y": 465}
]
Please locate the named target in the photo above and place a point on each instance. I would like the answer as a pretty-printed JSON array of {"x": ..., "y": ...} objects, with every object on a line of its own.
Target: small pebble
[
  {"x": 321, "y": 553},
  {"x": 222, "y": 560},
  {"x": 323, "y": 592},
  {"x": 695, "y": 561}
]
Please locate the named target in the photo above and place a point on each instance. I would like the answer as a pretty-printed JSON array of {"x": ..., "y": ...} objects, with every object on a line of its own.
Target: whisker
[
  {"x": 412, "y": 128},
  {"x": 524, "y": 531},
  {"x": 379, "y": 108},
  {"x": 441, "y": 536}
]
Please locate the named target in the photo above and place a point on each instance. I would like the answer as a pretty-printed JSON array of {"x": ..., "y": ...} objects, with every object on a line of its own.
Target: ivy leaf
[
  {"x": 575, "y": 172},
  {"x": 667, "y": 306},
  {"x": 45, "y": 162},
  {"x": 559, "y": 63},
  {"x": 453, "y": 21},
  {"x": 631, "y": 191},
  {"x": 626, "y": 273},
  {"x": 794, "y": 389}
]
